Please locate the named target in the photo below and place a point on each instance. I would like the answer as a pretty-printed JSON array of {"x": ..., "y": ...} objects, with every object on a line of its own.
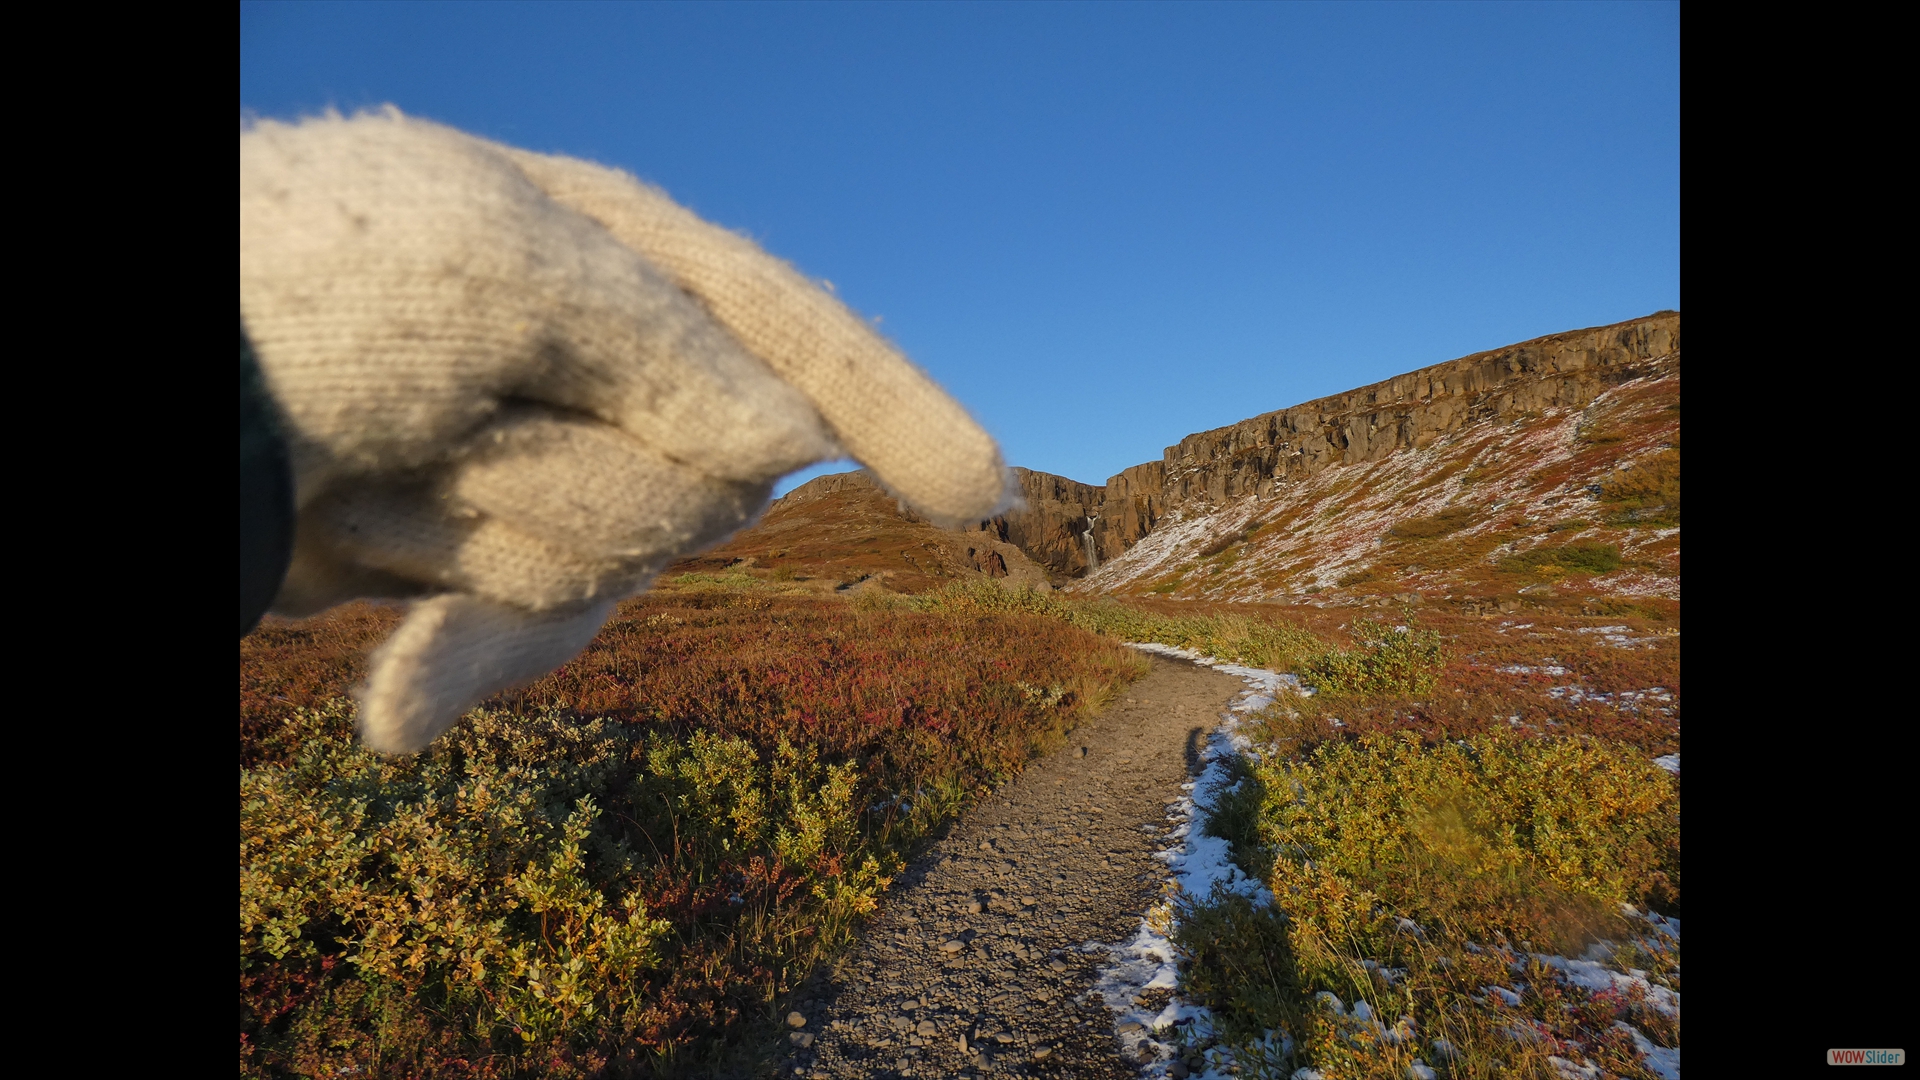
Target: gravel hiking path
[{"x": 975, "y": 966}]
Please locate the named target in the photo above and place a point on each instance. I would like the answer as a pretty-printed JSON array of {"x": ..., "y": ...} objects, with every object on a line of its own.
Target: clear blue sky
[{"x": 1101, "y": 226}]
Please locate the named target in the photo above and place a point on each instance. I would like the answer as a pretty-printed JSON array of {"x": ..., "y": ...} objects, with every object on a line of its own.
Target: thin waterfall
[{"x": 1093, "y": 555}]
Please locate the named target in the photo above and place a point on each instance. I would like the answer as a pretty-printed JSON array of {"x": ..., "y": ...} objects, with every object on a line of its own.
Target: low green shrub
[
  {"x": 497, "y": 882},
  {"x": 1238, "y": 958},
  {"x": 1402, "y": 661},
  {"x": 1571, "y": 816},
  {"x": 1450, "y": 520},
  {"x": 1236, "y": 814},
  {"x": 1653, "y": 483},
  {"x": 1565, "y": 559}
]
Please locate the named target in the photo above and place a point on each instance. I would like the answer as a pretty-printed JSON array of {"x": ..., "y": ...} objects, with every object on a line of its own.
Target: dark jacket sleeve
[{"x": 266, "y": 494}]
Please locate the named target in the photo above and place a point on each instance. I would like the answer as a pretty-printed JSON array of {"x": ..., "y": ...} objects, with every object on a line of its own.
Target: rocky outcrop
[
  {"x": 1410, "y": 411},
  {"x": 1068, "y": 526},
  {"x": 1136, "y": 501},
  {"x": 1053, "y": 528}
]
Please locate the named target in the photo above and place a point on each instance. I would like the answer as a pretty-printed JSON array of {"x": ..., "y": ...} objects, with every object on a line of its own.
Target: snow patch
[
  {"x": 1661, "y": 1061},
  {"x": 1658, "y": 698}
]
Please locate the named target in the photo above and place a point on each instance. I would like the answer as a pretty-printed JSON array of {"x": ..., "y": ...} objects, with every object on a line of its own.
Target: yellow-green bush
[
  {"x": 1651, "y": 483},
  {"x": 495, "y": 876},
  {"x": 1489, "y": 849},
  {"x": 1422, "y": 825},
  {"x": 1553, "y": 562},
  {"x": 1385, "y": 660}
]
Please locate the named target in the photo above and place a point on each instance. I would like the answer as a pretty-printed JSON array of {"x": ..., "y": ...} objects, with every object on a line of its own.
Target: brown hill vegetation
[{"x": 843, "y": 533}]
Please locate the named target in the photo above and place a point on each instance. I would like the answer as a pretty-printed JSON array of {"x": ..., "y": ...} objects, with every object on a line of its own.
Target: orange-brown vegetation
[
  {"x": 842, "y": 532},
  {"x": 882, "y": 721}
]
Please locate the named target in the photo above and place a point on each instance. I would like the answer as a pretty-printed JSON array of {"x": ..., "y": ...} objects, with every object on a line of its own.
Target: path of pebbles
[{"x": 976, "y": 966}]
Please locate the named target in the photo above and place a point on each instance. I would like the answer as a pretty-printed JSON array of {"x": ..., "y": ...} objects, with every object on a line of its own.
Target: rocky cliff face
[
  {"x": 1070, "y": 527},
  {"x": 1053, "y": 530},
  {"x": 1573, "y": 505}
]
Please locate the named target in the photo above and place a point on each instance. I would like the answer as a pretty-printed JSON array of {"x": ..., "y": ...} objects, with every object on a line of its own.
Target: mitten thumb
[{"x": 452, "y": 652}]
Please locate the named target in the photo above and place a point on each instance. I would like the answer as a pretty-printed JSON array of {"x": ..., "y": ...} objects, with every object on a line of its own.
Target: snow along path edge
[{"x": 1198, "y": 863}]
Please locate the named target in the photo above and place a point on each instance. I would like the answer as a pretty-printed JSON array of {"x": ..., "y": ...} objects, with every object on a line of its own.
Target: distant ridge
[{"x": 1406, "y": 412}]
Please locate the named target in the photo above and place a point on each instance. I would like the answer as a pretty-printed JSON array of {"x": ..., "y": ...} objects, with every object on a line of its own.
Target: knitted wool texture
[{"x": 523, "y": 385}]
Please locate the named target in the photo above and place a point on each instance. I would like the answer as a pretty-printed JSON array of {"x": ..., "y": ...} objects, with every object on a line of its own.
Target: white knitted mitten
[{"x": 521, "y": 385}]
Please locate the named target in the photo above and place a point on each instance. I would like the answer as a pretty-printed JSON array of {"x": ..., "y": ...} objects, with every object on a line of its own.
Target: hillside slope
[
  {"x": 1564, "y": 502},
  {"x": 843, "y": 533},
  {"x": 1071, "y": 527},
  {"x": 1544, "y": 473}
]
